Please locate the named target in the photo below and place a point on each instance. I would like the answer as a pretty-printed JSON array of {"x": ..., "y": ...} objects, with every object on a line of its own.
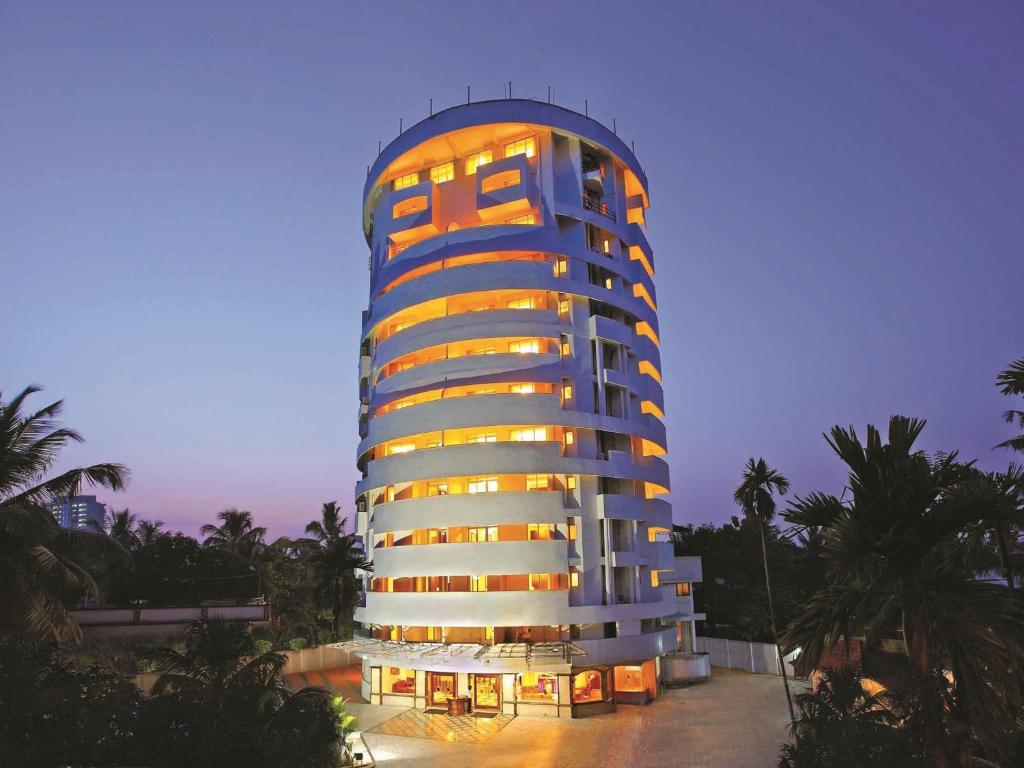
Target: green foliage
[
  {"x": 296, "y": 644},
  {"x": 1011, "y": 382},
  {"x": 841, "y": 726},
  {"x": 733, "y": 592},
  {"x": 262, "y": 646},
  {"x": 895, "y": 565}
]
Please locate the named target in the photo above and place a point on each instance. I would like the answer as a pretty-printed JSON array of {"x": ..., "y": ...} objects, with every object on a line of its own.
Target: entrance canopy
[{"x": 473, "y": 657}]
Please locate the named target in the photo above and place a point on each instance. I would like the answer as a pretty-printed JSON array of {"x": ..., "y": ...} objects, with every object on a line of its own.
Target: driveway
[{"x": 736, "y": 720}]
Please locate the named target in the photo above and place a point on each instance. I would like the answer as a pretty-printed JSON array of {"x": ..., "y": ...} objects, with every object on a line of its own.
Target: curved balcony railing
[{"x": 597, "y": 205}]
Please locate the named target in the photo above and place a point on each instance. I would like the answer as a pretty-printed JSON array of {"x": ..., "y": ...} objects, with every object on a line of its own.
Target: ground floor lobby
[{"x": 565, "y": 693}]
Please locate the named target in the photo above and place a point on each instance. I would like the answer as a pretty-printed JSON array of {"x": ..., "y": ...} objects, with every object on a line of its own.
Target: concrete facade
[{"x": 511, "y": 412}]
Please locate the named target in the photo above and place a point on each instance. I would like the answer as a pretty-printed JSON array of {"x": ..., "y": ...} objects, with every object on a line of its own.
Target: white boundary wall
[{"x": 759, "y": 658}]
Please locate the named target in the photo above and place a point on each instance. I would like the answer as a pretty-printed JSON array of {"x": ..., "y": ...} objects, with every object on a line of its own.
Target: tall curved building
[{"x": 512, "y": 442}]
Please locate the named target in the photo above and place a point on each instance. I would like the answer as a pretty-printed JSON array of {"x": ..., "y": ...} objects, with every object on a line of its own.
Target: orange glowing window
[
  {"x": 636, "y": 216},
  {"x": 523, "y": 389},
  {"x": 529, "y": 302},
  {"x": 526, "y": 218},
  {"x": 566, "y": 390},
  {"x": 643, "y": 328},
  {"x": 525, "y": 347},
  {"x": 483, "y": 485},
  {"x": 408, "y": 180},
  {"x": 411, "y": 205},
  {"x": 563, "y": 306},
  {"x": 574, "y": 578},
  {"x": 683, "y": 589},
  {"x": 527, "y": 146},
  {"x": 500, "y": 180},
  {"x": 649, "y": 407},
  {"x": 653, "y": 489},
  {"x": 561, "y": 266},
  {"x": 475, "y": 161},
  {"x": 570, "y": 437},
  {"x": 655, "y": 581},
  {"x": 570, "y": 483},
  {"x": 529, "y": 435},
  {"x": 648, "y": 368},
  {"x": 538, "y": 482},
  {"x": 439, "y": 174},
  {"x": 609, "y": 283}
]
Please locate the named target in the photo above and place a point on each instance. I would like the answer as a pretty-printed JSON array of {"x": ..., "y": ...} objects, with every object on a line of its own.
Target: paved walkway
[
  {"x": 736, "y": 720},
  {"x": 417, "y": 724}
]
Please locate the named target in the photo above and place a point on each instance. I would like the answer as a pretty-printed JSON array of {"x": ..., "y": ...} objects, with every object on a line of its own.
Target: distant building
[{"x": 76, "y": 512}]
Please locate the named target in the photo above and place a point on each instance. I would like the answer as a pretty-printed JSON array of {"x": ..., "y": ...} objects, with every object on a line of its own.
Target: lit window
[
  {"x": 570, "y": 482},
  {"x": 608, "y": 283},
  {"x": 525, "y": 146},
  {"x": 442, "y": 173},
  {"x": 437, "y": 489},
  {"x": 540, "y": 531},
  {"x": 561, "y": 266},
  {"x": 570, "y": 437},
  {"x": 483, "y": 533},
  {"x": 654, "y": 579},
  {"x": 475, "y": 161},
  {"x": 530, "y": 346},
  {"x": 530, "y": 434},
  {"x": 481, "y": 351},
  {"x": 563, "y": 306},
  {"x": 483, "y": 485},
  {"x": 482, "y": 438},
  {"x": 566, "y": 348},
  {"x": 402, "y": 448},
  {"x": 434, "y": 442},
  {"x": 683, "y": 589},
  {"x": 607, "y": 246},
  {"x": 526, "y": 303},
  {"x": 409, "y": 180},
  {"x": 526, "y": 218},
  {"x": 477, "y": 583},
  {"x": 566, "y": 389},
  {"x": 537, "y": 686},
  {"x": 540, "y": 581},
  {"x": 538, "y": 482},
  {"x": 574, "y": 578},
  {"x": 522, "y": 389},
  {"x": 398, "y": 681},
  {"x": 572, "y": 530}
]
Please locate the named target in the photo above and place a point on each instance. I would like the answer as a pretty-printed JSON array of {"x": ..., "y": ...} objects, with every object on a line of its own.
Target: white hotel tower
[{"x": 512, "y": 422}]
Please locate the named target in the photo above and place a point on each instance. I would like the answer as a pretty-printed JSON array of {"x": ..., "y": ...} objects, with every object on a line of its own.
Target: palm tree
[
  {"x": 755, "y": 496},
  {"x": 235, "y": 534},
  {"x": 121, "y": 526},
  {"x": 219, "y": 655},
  {"x": 896, "y": 563},
  {"x": 148, "y": 531},
  {"x": 335, "y": 562},
  {"x": 37, "y": 569},
  {"x": 843, "y": 726},
  {"x": 1011, "y": 382}
]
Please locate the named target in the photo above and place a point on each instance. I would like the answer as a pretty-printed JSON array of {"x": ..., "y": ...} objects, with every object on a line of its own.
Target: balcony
[{"x": 597, "y": 205}]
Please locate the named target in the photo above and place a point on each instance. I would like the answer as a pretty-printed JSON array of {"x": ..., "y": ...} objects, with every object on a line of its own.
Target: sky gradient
[{"x": 836, "y": 218}]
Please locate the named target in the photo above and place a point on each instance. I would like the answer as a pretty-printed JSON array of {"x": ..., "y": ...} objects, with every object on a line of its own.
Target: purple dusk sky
[{"x": 836, "y": 217}]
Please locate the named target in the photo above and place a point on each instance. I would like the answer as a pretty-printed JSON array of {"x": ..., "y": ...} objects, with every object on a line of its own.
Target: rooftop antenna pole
[
  {"x": 467, "y": 94},
  {"x": 632, "y": 147},
  {"x": 401, "y": 125},
  {"x": 510, "y": 89},
  {"x": 615, "y": 127},
  {"x": 586, "y": 107},
  {"x": 378, "y": 146},
  {"x": 431, "y": 107}
]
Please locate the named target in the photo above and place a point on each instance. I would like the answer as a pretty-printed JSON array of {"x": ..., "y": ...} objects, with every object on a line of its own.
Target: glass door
[
  {"x": 486, "y": 691},
  {"x": 442, "y": 688}
]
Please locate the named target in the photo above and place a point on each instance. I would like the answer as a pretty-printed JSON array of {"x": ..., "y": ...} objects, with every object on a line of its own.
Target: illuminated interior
[
  {"x": 466, "y": 261},
  {"x": 537, "y": 687},
  {"x": 451, "y": 486},
  {"x": 588, "y": 686},
  {"x": 469, "y": 390},
  {"x": 478, "y": 534},
  {"x": 636, "y": 253},
  {"x": 643, "y": 328},
  {"x": 512, "y": 345},
  {"x": 461, "y": 303},
  {"x": 520, "y": 582},
  {"x": 487, "y": 635},
  {"x": 469, "y": 435},
  {"x": 647, "y": 368},
  {"x": 648, "y": 406}
]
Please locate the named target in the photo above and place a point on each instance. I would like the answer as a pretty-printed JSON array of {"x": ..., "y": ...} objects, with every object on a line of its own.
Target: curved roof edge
[{"x": 503, "y": 111}]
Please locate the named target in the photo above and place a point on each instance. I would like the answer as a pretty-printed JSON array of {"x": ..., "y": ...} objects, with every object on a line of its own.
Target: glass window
[
  {"x": 522, "y": 389},
  {"x": 540, "y": 531},
  {"x": 525, "y": 146},
  {"x": 654, "y": 579},
  {"x": 402, "y": 448},
  {"x": 527, "y": 346},
  {"x": 538, "y": 482},
  {"x": 527, "y": 303},
  {"x": 408, "y": 180},
  {"x": 683, "y": 589},
  {"x": 574, "y": 578},
  {"x": 437, "y": 489},
  {"x": 570, "y": 482},
  {"x": 483, "y": 533},
  {"x": 481, "y": 437},
  {"x": 537, "y": 686},
  {"x": 587, "y": 686},
  {"x": 526, "y": 218},
  {"x": 483, "y": 485},
  {"x": 442, "y": 173},
  {"x": 529, "y": 434},
  {"x": 398, "y": 680},
  {"x": 475, "y": 161},
  {"x": 477, "y": 583}
]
